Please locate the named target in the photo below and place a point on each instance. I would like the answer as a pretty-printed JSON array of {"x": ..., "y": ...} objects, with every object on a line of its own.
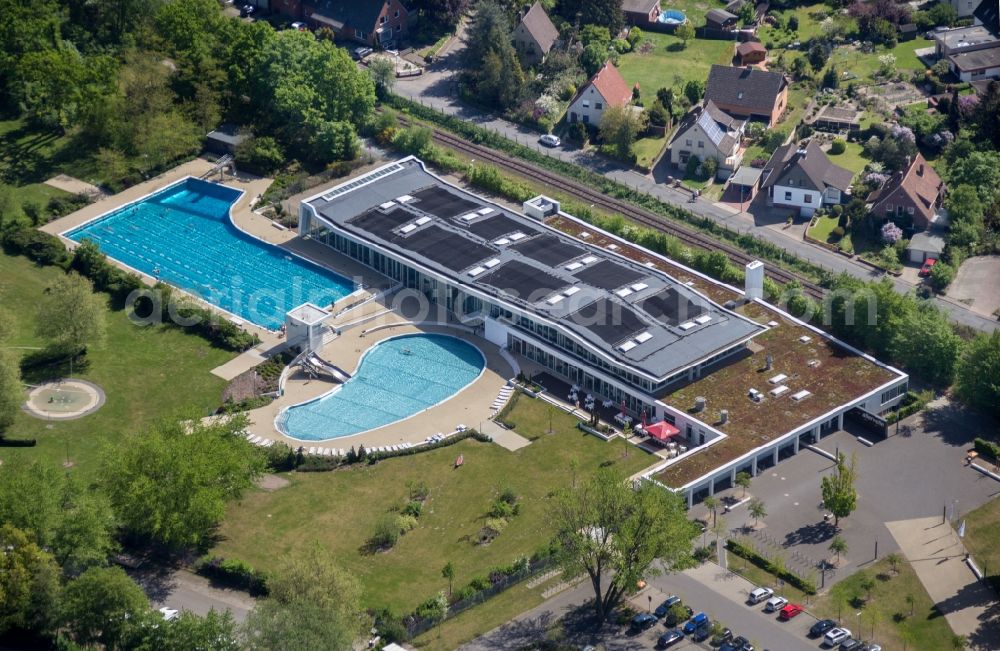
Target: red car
[
  {"x": 789, "y": 611},
  {"x": 926, "y": 269}
]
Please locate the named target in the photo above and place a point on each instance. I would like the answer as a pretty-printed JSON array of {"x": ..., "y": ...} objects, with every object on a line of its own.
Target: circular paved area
[{"x": 64, "y": 400}]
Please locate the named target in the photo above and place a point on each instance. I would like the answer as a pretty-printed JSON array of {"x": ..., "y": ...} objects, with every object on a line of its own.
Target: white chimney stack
[{"x": 753, "y": 284}]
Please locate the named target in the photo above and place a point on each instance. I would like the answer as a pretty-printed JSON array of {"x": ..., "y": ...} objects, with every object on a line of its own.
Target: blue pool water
[
  {"x": 183, "y": 236},
  {"x": 396, "y": 379},
  {"x": 672, "y": 17}
]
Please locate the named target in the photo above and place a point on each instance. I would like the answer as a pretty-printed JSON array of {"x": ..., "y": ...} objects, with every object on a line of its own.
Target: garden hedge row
[
  {"x": 314, "y": 463},
  {"x": 233, "y": 573},
  {"x": 913, "y": 402},
  {"x": 741, "y": 550},
  {"x": 16, "y": 443},
  {"x": 988, "y": 449}
]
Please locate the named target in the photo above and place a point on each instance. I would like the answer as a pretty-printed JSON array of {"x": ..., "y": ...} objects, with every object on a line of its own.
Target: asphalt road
[{"x": 437, "y": 88}]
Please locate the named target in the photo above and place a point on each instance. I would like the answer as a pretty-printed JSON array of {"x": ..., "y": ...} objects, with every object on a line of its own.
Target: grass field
[
  {"x": 647, "y": 149},
  {"x": 822, "y": 230},
  {"x": 669, "y": 65},
  {"x": 339, "y": 509},
  {"x": 147, "y": 373},
  {"x": 810, "y": 19},
  {"x": 982, "y": 534},
  {"x": 926, "y": 629},
  {"x": 853, "y": 158}
]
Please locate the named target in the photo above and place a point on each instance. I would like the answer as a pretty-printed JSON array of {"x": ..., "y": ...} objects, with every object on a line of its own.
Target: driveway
[
  {"x": 185, "y": 590},
  {"x": 438, "y": 88},
  {"x": 976, "y": 284},
  {"x": 899, "y": 478}
]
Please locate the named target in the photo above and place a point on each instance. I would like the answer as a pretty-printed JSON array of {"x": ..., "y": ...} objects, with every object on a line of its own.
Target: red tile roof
[
  {"x": 918, "y": 186},
  {"x": 611, "y": 85}
]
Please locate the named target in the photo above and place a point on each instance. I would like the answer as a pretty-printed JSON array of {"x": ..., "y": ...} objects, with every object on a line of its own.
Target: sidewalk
[{"x": 938, "y": 556}]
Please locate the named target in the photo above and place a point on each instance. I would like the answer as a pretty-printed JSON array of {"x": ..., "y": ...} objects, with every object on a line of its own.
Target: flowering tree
[
  {"x": 903, "y": 133},
  {"x": 875, "y": 179},
  {"x": 891, "y": 233},
  {"x": 887, "y": 64},
  {"x": 967, "y": 106}
]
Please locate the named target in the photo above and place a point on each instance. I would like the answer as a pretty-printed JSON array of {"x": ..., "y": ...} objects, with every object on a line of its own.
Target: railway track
[{"x": 634, "y": 213}]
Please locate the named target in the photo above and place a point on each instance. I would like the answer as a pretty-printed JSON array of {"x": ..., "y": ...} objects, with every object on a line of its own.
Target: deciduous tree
[
  {"x": 976, "y": 380},
  {"x": 839, "y": 494},
  {"x": 11, "y": 391},
  {"x": 620, "y": 126},
  {"x": 70, "y": 314},
  {"x": 613, "y": 534},
  {"x": 29, "y": 582},
  {"x": 100, "y": 605},
  {"x": 838, "y": 546}
]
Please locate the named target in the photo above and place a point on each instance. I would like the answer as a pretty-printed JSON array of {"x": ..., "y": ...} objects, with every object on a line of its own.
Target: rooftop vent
[
  {"x": 805, "y": 339},
  {"x": 769, "y": 361},
  {"x": 723, "y": 416},
  {"x": 612, "y": 247},
  {"x": 778, "y": 379},
  {"x": 699, "y": 404},
  {"x": 777, "y": 391},
  {"x": 801, "y": 395},
  {"x": 540, "y": 207},
  {"x": 584, "y": 234},
  {"x": 651, "y": 265},
  {"x": 755, "y": 395},
  {"x": 813, "y": 363},
  {"x": 772, "y": 324}
]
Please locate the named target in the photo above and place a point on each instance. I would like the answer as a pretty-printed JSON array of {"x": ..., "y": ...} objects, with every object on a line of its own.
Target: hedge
[
  {"x": 803, "y": 584},
  {"x": 16, "y": 443},
  {"x": 314, "y": 463},
  {"x": 987, "y": 449},
  {"x": 234, "y": 574},
  {"x": 912, "y": 403}
]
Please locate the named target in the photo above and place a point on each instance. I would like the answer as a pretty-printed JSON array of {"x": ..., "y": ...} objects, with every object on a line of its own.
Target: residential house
[
  {"x": 977, "y": 64},
  {"x": 964, "y": 8},
  {"x": 987, "y": 14},
  {"x": 925, "y": 245},
  {"x": 804, "y": 178},
  {"x": 751, "y": 53},
  {"x": 963, "y": 39},
  {"x": 534, "y": 35},
  {"x": 605, "y": 89},
  {"x": 376, "y": 23},
  {"x": 641, "y": 12},
  {"x": 748, "y": 92},
  {"x": 720, "y": 20},
  {"x": 913, "y": 194},
  {"x": 708, "y": 132}
]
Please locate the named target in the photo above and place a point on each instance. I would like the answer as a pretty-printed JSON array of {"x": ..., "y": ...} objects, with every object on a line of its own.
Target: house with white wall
[
  {"x": 804, "y": 178},
  {"x": 605, "y": 89}
]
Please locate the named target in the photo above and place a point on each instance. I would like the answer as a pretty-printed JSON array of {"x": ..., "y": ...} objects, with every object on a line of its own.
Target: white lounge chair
[
  {"x": 312, "y": 450},
  {"x": 254, "y": 439}
]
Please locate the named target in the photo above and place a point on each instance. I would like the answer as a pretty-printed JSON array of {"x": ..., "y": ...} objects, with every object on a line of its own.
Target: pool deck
[{"x": 470, "y": 407}]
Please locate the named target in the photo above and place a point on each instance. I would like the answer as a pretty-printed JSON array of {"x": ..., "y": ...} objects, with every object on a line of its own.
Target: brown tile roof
[
  {"x": 749, "y": 47},
  {"x": 611, "y": 85},
  {"x": 639, "y": 6},
  {"x": 538, "y": 24},
  {"x": 919, "y": 184},
  {"x": 813, "y": 164},
  {"x": 751, "y": 88}
]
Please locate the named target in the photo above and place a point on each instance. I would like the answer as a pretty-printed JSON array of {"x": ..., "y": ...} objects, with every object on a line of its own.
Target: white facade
[
  {"x": 974, "y": 75},
  {"x": 964, "y": 7},
  {"x": 806, "y": 200},
  {"x": 588, "y": 107}
]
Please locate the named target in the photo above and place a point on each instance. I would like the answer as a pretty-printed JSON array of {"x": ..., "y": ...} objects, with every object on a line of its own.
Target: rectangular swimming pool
[{"x": 183, "y": 236}]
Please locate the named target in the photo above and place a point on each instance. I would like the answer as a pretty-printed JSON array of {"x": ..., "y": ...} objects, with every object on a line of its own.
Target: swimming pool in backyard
[
  {"x": 395, "y": 379},
  {"x": 183, "y": 236}
]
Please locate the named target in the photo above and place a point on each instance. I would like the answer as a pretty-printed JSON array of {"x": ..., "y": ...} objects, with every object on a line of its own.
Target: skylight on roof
[
  {"x": 805, "y": 339},
  {"x": 422, "y": 221},
  {"x": 404, "y": 199},
  {"x": 687, "y": 325},
  {"x": 638, "y": 287},
  {"x": 612, "y": 247},
  {"x": 703, "y": 319},
  {"x": 644, "y": 337},
  {"x": 570, "y": 291},
  {"x": 492, "y": 262},
  {"x": 484, "y": 211},
  {"x": 589, "y": 259},
  {"x": 408, "y": 229},
  {"x": 623, "y": 292},
  {"x": 573, "y": 266},
  {"x": 801, "y": 395},
  {"x": 553, "y": 300},
  {"x": 475, "y": 272},
  {"x": 503, "y": 241},
  {"x": 468, "y": 218},
  {"x": 387, "y": 205},
  {"x": 517, "y": 236},
  {"x": 627, "y": 346},
  {"x": 777, "y": 391}
]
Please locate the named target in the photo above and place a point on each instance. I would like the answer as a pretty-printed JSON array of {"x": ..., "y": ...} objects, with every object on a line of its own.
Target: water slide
[{"x": 327, "y": 368}]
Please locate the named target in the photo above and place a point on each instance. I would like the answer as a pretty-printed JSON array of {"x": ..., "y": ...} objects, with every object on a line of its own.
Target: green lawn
[
  {"x": 810, "y": 21},
  {"x": 339, "y": 509},
  {"x": 148, "y": 373},
  {"x": 669, "y": 65},
  {"x": 926, "y": 629},
  {"x": 853, "y": 158},
  {"x": 647, "y": 149},
  {"x": 982, "y": 534}
]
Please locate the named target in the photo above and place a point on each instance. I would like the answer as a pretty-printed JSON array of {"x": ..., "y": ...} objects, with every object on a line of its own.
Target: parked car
[
  {"x": 299, "y": 26},
  {"x": 850, "y": 644},
  {"x": 740, "y": 643},
  {"x": 835, "y": 636},
  {"x": 821, "y": 627},
  {"x": 701, "y": 619},
  {"x": 871, "y": 646},
  {"x": 169, "y": 614},
  {"x": 642, "y": 621},
  {"x": 774, "y": 604},
  {"x": 672, "y": 620},
  {"x": 550, "y": 141},
  {"x": 789, "y": 611},
  {"x": 722, "y": 637},
  {"x": 758, "y": 595},
  {"x": 925, "y": 270},
  {"x": 671, "y": 637},
  {"x": 664, "y": 608},
  {"x": 247, "y": 10},
  {"x": 359, "y": 53},
  {"x": 702, "y": 633}
]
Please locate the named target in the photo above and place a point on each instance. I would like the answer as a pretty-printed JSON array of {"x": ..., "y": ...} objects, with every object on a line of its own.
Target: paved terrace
[{"x": 833, "y": 374}]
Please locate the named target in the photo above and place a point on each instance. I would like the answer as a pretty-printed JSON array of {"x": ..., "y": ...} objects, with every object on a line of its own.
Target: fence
[{"x": 417, "y": 626}]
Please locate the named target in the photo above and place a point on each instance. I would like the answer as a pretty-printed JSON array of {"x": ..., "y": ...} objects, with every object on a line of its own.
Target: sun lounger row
[
  {"x": 259, "y": 440},
  {"x": 503, "y": 397}
]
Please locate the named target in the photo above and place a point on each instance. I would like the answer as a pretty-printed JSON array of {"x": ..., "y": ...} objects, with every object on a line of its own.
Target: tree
[
  {"x": 11, "y": 391},
  {"x": 831, "y": 78},
  {"x": 685, "y": 33},
  {"x": 491, "y": 64},
  {"x": 926, "y": 344},
  {"x": 71, "y": 314},
  {"x": 942, "y": 274},
  {"x": 757, "y": 510},
  {"x": 448, "y": 572},
  {"x": 312, "y": 603},
  {"x": 959, "y": 642},
  {"x": 613, "y": 534},
  {"x": 171, "y": 483},
  {"x": 213, "y": 632},
  {"x": 83, "y": 536},
  {"x": 712, "y": 504},
  {"x": 595, "y": 12},
  {"x": 867, "y": 584},
  {"x": 747, "y": 13},
  {"x": 838, "y": 546},
  {"x": 965, "y": 211},
  {"x": 100, "y": 605},
  {"x": 977, "y": 373},
  {"x": 743, "y": 481},
  {"x": 817, "y": 56},
  {"x": 693, "y": 90},
  {"x": 839, "y": 494},
  {"x": 29, "y": 582},
  {"x": 593, "y": 58},
  {"x": 911, "y": 601},
  {"x": 894, "y": 559},
  {"x": 620, "y": 126},
  {"x": 383, "y": 73}
]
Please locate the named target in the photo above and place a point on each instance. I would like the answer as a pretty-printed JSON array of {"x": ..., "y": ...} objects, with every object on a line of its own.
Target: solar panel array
[
  {"x": 670, "y": 307},
  {"x": 711, "y": 127},
  {"x": 438, "y": 201},
  {"x": 362, "y": 180},
  {"x": 611, "y": 322},
  {"x": 548, "y": 249},
  {"x": 522, "y": 281},
  {"x": 608, "y": 275}
]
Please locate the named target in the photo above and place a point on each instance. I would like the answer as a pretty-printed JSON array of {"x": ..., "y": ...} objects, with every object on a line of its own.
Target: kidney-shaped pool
[{"x": 395, "y": 379}]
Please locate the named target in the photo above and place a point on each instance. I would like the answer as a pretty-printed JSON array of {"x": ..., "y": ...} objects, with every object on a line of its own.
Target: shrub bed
[
  {"x": 16, "y": 443},
  {"x": 987, "y": 449},
  {"x": 314, "y": 463},
  {"x": 233, "y": 573},
  {"x": 743, "y": 551}
]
